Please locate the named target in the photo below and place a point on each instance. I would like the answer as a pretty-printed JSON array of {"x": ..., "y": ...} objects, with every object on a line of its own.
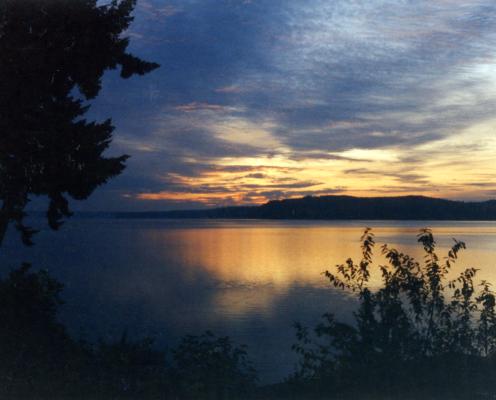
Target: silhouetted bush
[
  {"x": 210, "y": 367},
  {"x": 34, "y": 346},
  {"x": 420, "y": 332},
  {"x": 39, "y": 359},
  {"x": 128, "y": 369}
]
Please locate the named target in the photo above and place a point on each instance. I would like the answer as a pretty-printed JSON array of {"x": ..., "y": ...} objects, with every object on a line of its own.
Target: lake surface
[{"x": 250, "y": 280}]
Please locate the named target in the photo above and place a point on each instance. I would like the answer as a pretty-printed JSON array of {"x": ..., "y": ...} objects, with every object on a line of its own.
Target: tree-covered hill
[{"x": 344, "y": 208}]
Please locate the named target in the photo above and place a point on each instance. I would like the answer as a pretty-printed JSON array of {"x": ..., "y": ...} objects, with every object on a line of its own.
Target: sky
[{"x": 266, "y": 99}]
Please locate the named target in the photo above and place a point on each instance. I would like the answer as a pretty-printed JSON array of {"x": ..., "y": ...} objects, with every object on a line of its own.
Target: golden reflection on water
[{"x": 282, "y": 255}]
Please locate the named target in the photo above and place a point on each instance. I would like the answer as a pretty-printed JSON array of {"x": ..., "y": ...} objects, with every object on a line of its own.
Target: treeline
[
  {"x": 421, "y": 334},
  {"x": 343, "y": 208}
]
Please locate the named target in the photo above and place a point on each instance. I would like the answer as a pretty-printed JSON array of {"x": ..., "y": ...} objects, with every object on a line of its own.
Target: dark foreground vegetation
[
  {"x": 39, "y": 360},
  {"x": 420, "y": 335},
  {"x": 344, "y": 208}
]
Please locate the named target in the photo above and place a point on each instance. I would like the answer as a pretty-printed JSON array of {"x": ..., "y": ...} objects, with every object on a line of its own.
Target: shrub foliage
[
  {"x": 420, "y": 331},
  {"x": 40, "y": 360}
]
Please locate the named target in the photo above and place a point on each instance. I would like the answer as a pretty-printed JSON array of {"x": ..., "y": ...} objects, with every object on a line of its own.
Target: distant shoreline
[{"x": 329, "y": 208}]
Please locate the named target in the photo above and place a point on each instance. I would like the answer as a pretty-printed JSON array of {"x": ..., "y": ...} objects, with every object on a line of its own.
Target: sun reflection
[{"x": 284, "y": 256}]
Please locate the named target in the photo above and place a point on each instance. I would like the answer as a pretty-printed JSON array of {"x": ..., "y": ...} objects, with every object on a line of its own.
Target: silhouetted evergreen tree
[{"x": 53, "y": 56}]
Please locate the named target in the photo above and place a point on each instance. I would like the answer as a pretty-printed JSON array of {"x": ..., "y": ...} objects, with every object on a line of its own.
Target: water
[{"x": 250, "y": 280}]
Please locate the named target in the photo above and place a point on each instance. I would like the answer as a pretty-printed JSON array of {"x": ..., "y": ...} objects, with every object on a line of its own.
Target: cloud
[
  {"x": 343, "y": 93},
  {"x": 197, "y": 106},
  {"x": 404, "y": 177},
  {"x": 155, "y": 11},
  {"x": 229, "y": 89},
  {"x": 256, "y": 176}
]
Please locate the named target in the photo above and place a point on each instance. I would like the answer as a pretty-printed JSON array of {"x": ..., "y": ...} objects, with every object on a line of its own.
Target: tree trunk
[{"x": 4, "y": 221}]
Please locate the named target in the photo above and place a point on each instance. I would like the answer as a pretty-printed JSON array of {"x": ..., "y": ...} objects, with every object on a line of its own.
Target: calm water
[{"x": 247, "y": 279}]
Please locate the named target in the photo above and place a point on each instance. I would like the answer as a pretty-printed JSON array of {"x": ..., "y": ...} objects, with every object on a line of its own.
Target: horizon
[
  {"x": 257, "y": 100},
  {"x": 205, "y": 208}
]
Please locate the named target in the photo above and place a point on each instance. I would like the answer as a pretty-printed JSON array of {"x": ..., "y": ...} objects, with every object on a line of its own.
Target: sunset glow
[{"x": 263, "y": 100}]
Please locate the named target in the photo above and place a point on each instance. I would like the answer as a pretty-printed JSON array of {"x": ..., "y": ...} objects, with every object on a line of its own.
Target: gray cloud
[
  {"x": 256, "y": 176},
  {"x": 328, "y": 75},
  {"x": 403, "y": 177}
]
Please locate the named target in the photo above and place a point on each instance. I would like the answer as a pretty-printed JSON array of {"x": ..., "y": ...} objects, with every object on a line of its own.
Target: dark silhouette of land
[{"x": 342, "y": 208}]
